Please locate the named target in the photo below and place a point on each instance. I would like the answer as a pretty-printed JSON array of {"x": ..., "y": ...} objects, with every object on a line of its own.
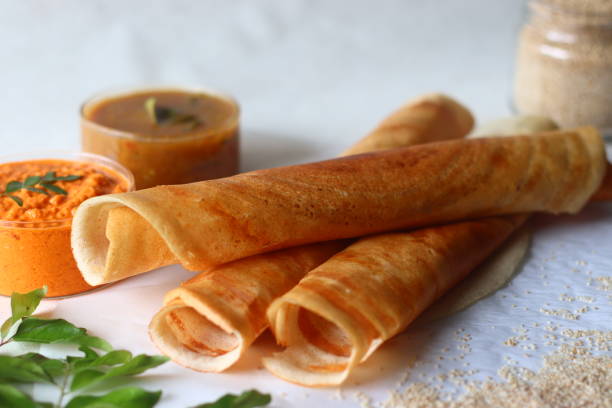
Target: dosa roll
[
  {"x": 430, "y": 118},
  {"x": 343, "y": 310},
  {"x": 209, "y": 321},
  {"x": 300, "y": 369},
  {"x": 604, "y": 193},
  {"x": 209, "y": 223}
]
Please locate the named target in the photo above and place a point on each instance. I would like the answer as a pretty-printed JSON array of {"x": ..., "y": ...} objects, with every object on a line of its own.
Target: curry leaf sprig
[
  {"x": 248, "y": 399},
  {"x": 164, "y": 115},
  {"x": 44, "y": 183},
  {"x": 98, "y": 363}
]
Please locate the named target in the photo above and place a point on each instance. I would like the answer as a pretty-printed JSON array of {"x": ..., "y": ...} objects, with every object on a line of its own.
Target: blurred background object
[
  {"x": 310, "y": 75},
  {"x": 564, "y": 62}
]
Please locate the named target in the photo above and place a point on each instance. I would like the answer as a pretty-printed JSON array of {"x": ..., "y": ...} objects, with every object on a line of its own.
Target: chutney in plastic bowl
[{"x": 39, "y": 194}]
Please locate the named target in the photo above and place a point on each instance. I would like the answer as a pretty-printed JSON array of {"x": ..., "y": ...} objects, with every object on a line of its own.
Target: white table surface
[{"x": 312, "y": 77}]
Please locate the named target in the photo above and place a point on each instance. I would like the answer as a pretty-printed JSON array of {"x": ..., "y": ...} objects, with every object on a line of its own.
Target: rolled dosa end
[
  {"x": 323, "y": 342},
  {"x": 104, "y": 246},
  {"x": 593, "y": 171},
  {"x": 430, "y": 118},
  {"x": 183, "y": 330},
  {"x": 342, "y": 311},
  {"x": 147, "y": 252},
  {"x": 605, "y": 189},
  {"x": 208, "y": 322}
]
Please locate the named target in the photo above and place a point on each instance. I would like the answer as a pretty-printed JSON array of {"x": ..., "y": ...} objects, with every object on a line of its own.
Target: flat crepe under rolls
[
  {"x": 209, "y": 321},
  {"x": 501, "y": 266},
  {"x": 212, "y": 222},
  {"x": 343, "y": 310}
]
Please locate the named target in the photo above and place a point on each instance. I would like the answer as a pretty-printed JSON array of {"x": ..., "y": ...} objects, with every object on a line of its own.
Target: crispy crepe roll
[
  {"x": 342, "y": 311},
  {"x": 212, "y": 222},
  {"x": 431, "y": 118},
  {"x": 500, "y": 266},
  {"x": 328, "y": 332},
  {"x": 209, "y": 321},
  {"x": 604, "y": 193}
]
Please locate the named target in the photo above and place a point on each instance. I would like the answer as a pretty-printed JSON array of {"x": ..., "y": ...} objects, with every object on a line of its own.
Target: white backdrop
[{"x": 312, "y": 76}]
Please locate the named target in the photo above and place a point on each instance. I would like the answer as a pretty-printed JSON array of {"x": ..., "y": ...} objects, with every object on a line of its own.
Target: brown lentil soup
[{"x": 202, "y": 147}]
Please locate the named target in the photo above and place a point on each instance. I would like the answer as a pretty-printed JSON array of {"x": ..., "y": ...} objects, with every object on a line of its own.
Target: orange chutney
[
  {"x": 35, "y": 237},
  {"x": 182, "y": 137}
]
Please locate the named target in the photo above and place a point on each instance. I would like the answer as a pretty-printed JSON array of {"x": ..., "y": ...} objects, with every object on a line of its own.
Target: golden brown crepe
[
  {"x": 430, "y": 118},
  {"x": 604, "y": 193},
  {"x": 343, "y": 310},
  {"x": 208, "y": 322},
  {"x": 493, "y": 274},
  {"x": 209, "y": 223},
  {"x": 501, "y": 266}
]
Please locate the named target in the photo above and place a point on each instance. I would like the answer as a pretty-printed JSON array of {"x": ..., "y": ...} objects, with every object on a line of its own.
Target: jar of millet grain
[{"x": 564, "y": 63}]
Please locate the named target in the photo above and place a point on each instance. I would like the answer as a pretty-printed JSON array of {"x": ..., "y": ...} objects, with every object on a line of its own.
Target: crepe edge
[
  {"x": 161, "y": 334},
  {"x": 462, "y": 117},
  {"x": 282, "y": 316},
  {"x": 483, "y": 281},
  {"x": 593, "y": 143},
  {"x": 90, "y": 245}
]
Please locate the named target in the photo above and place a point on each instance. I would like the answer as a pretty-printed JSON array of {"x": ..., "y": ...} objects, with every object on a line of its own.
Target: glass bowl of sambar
[{"x": 164, "y": 135}]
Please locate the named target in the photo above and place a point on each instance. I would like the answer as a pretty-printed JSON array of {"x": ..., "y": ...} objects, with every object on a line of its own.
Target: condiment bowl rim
[
  {"x": 67, "y": 155},
  {"x": 122, "y": 91}
]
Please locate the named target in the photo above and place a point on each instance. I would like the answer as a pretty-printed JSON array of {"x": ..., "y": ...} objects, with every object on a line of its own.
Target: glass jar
[{"x": 564, "y": 63}]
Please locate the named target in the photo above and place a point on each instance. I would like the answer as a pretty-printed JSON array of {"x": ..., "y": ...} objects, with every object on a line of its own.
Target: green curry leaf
[
  {"x": 54, "y": 188},
  {"x": 85, "y": 370},
  {"x": 22, "y": 369},
  {"x": 129, "y": 397},
  {"x": 31, "y": 181},
  {"x": 248, "y": 399},
  {"x": 165, "y": 115},
  {"x": 13, "y": 186},
  {"x": 44, "y": 182},
  {"x": 124, "y": 366},
  {"x": 11, "y": 396},
  {"x": 49, "y": 331},
  {"x": 22, "y": 305}
]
